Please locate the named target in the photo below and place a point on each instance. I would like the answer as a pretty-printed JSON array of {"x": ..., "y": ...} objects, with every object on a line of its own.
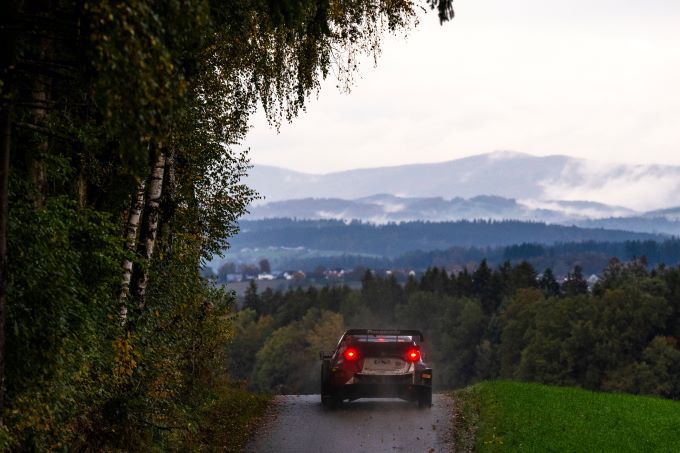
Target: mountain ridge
[
  {"x": 506, "y": 174},
  {"x": 382, "y": 208}
]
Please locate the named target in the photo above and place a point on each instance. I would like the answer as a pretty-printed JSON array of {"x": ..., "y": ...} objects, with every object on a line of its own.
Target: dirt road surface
[{"x": 298, "y": 423}]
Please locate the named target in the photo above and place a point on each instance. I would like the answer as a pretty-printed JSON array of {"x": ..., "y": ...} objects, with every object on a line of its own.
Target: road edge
[{"x": 465, "y": 418}]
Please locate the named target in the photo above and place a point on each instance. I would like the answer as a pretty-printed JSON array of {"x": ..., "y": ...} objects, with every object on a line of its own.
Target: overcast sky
[{"x": 587, "y": 78}]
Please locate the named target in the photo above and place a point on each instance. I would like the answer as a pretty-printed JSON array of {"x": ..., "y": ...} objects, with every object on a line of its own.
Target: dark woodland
[{"x": 620, "y": 335}]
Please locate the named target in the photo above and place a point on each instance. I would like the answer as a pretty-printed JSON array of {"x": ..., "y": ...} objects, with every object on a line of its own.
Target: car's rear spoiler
[{"x": 377, "y": 332}]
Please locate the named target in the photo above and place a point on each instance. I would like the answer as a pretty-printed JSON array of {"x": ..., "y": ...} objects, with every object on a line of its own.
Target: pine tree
[
  {"x": 252, "y": 299},
  {"x": 575, "y": 283},
  {"x": 548, "y": 284}
]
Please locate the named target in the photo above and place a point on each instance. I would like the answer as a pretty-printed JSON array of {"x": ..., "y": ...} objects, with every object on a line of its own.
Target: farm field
[{"x": 511, "y": 416}]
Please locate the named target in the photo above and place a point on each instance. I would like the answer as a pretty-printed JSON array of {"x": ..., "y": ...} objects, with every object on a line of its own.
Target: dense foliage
[
  {"x": 620, "y": 335},
  {"x": 118, "y": 176}
]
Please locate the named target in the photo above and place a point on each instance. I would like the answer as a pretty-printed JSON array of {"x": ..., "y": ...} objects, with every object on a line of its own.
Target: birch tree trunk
[
  {"x": 149, "y": 227},
  {"x": 169, "y": 202},
  {"x": 130, "y": 242}
]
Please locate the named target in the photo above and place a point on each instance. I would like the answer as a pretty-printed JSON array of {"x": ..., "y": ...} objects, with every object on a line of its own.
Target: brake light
[
  {"x": 413, "y": 355},
  {"x": 350, "y": 354}
]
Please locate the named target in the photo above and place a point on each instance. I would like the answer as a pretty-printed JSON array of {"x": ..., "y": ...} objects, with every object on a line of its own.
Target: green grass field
[{"x": 514, "y": 416}]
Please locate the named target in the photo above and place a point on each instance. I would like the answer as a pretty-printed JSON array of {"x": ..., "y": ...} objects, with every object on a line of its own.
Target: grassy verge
[
  {"x": 229, "y": 420},
  {"x": 513, "y": 416}
]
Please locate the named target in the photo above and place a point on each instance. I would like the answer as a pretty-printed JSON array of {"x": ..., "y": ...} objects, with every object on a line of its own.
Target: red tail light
[
  {"x": 413, "y": 355},
  {"x": 350, "y": 354}
]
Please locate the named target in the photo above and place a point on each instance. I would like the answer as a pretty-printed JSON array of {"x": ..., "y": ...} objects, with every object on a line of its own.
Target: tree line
[
  {"x": 503, "y": 322},
  {"x": 592, "y": 256},
  {"x": 395, "y": 239},
  {"x": 119, "y": 175}
]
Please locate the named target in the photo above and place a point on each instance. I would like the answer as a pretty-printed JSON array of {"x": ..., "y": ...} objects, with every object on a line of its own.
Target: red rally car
[{"x": 370, "y": 363}]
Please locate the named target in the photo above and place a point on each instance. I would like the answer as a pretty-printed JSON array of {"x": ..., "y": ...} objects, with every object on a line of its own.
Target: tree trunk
[
  {"x": 8, "y": 28},
  {"x": 149, "y": 227},
  {"x": 81, "y": 187},
  {"x": 40, "y": 96},
  {"x": 169, "y": 202},
  {"x": 130, "y": 241}
]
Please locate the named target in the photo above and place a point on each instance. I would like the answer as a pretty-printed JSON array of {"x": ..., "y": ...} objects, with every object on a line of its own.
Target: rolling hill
[
  {"x": 383, "y": 208},
  {"x": 392, "y": 240},
  {"x": 504, "y": 174}
]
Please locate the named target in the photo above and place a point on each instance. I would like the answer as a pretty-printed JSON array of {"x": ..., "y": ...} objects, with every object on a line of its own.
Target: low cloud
[{"x": 637, "y": 187}]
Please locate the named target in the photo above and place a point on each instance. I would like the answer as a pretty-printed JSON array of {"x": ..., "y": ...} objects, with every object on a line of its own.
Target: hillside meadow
[{"x": 497, "y": 416}]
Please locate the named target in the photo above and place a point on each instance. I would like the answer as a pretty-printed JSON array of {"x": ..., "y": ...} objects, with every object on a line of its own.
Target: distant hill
[
  {"x": 668, "y": 213},
  {"x": 383, "y": 208},
  {"x": 504, "y": 174},
  {"x": 644, "y": 223},
  {"x": 392, "y": 240}
]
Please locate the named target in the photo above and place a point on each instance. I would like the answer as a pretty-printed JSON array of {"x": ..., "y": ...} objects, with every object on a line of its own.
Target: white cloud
[
  {"x": 576, "y": 211},
  {"x": 631, "y": 186}
]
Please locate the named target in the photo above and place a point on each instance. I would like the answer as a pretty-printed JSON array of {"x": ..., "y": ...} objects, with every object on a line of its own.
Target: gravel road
[{"x": 298, "y": 423}]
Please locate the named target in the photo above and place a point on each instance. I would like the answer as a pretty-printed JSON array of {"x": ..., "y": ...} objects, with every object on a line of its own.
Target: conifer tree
[
  {"x": 252, "y": 299},
  {"x": 575, "y": 283},
  {"x": 548, "y": 284}
]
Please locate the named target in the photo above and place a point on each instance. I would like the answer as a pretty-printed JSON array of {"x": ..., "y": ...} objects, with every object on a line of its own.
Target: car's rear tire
[
  {"x": 327, "y": 399},
  {"x": 425, "y": 398},
  {"x": 331, "y": 401}
]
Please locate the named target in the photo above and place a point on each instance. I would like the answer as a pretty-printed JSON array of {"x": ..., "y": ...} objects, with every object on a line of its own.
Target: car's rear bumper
[
  {"x": 409, "y": 386},
  {"x": 409, "y": 392}
]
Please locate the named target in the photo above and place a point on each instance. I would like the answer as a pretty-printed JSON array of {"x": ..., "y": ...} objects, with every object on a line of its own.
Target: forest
[
  {"x": 621, "y": 335},
  {"x": 394, "y": 239},
  {"x": 591, "y": 256},
  {"x": 120, "y": 174}
]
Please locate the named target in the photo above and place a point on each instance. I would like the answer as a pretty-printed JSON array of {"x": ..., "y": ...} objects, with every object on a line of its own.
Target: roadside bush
[{"x": 61, "y": 322}]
